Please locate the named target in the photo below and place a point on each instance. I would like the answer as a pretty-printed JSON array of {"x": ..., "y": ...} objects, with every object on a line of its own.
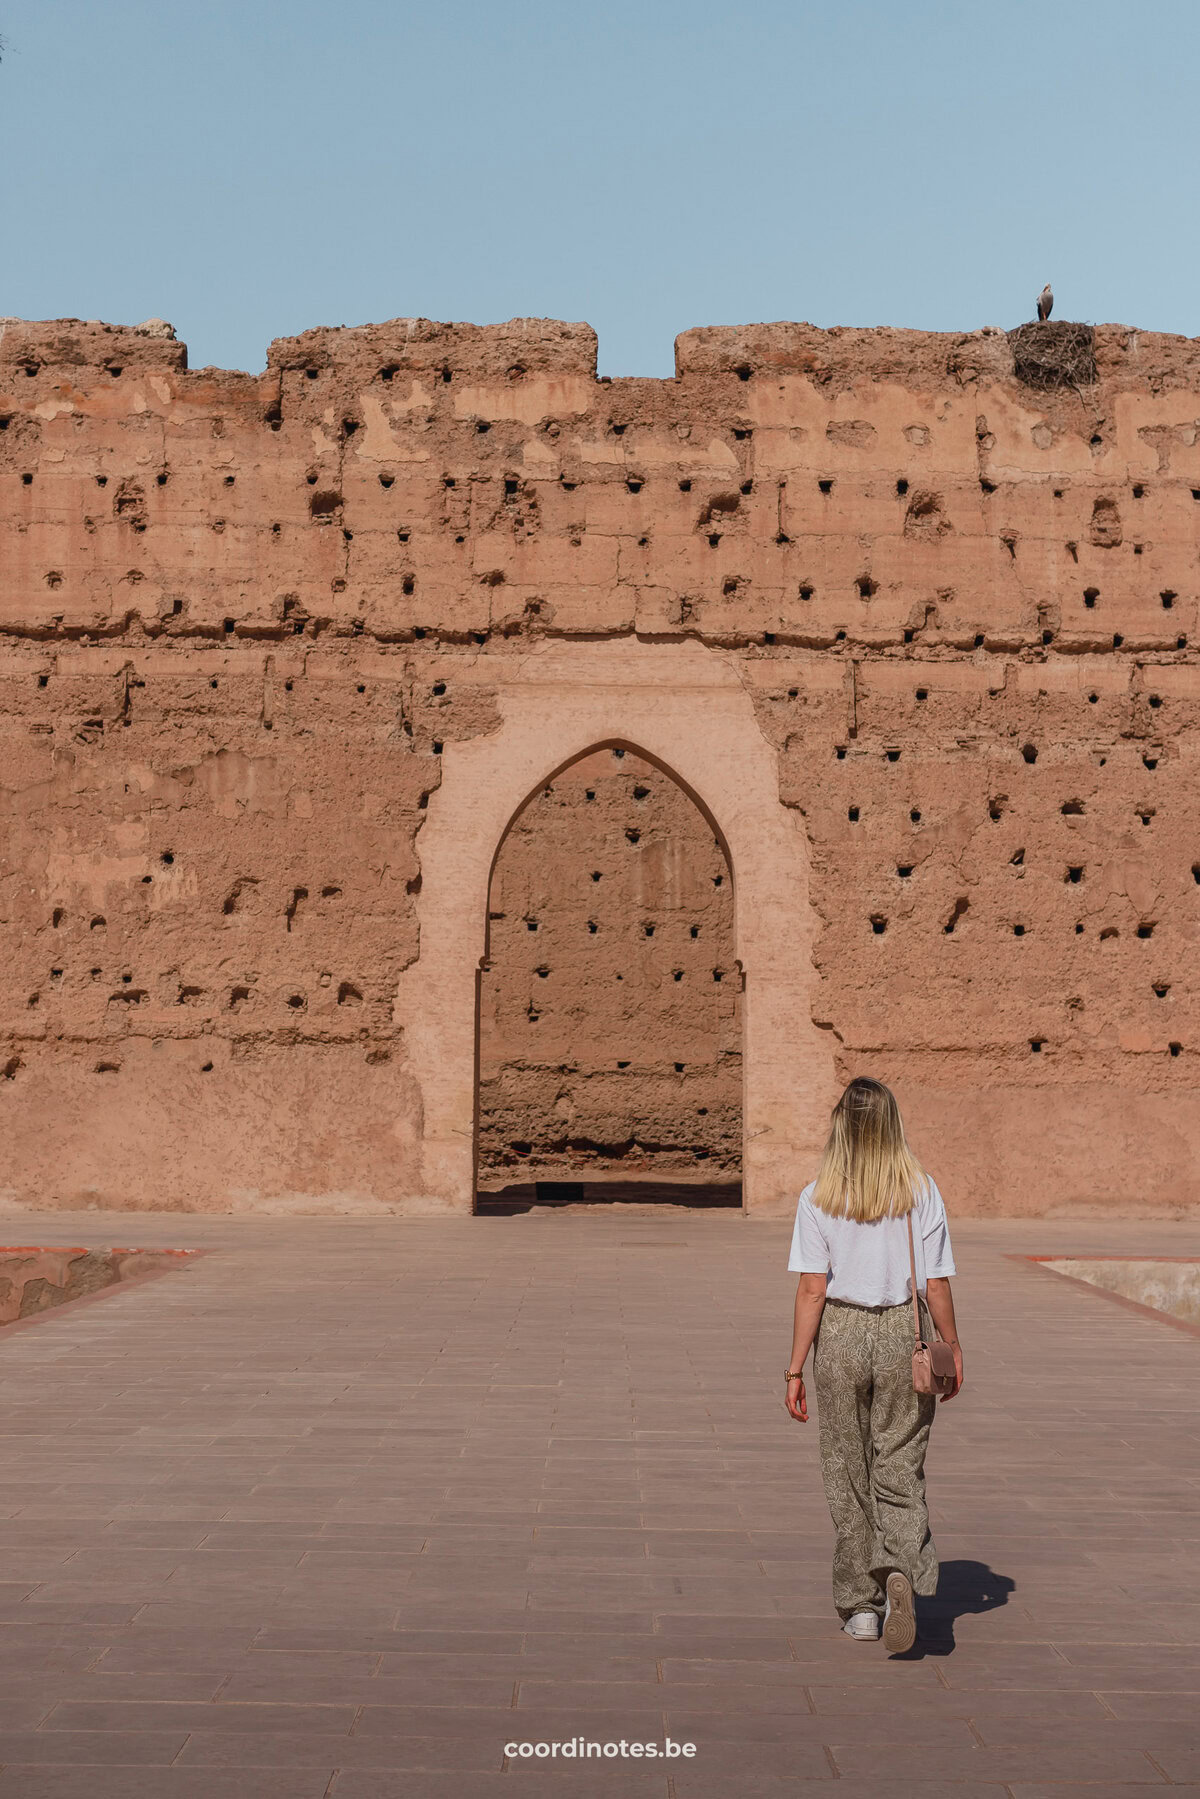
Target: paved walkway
[{"x": 348, "y": 1505}]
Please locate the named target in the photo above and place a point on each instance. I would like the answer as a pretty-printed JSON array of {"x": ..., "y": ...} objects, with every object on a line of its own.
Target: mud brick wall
[
  {"x": 610, "y": 1022},
  {"x": 246, "y": 620}
]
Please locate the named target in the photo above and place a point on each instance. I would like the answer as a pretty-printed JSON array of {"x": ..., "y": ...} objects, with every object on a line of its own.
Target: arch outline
[
  {"x": 594, "y": 749},
  {"x": 684, "y": 708}
]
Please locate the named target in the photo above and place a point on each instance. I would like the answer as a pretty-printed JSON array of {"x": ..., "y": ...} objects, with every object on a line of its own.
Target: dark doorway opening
[{"x": 531, "y": 1196}]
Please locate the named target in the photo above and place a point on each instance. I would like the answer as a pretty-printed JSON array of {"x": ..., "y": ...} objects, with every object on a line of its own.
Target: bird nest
[{"x": 1054, "y": 354}]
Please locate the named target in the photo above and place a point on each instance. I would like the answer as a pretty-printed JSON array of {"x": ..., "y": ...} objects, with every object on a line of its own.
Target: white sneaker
[
  {"x": 864, "y": 1626},
  {"x": 900, "y": 1616}
]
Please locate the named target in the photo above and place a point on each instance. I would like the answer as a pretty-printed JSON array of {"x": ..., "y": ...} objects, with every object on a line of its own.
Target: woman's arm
[
  {"x": 810, "y": 1303},
  {"x": 941, "y": 1309}
]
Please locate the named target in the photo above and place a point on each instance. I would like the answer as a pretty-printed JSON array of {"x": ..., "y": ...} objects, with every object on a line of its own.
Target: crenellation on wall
[
  {"x": 838, "y": 358},
  {"x": 449, "y": 352},
  {"x": 841, "y": 356},
  {"x": 31, "y": 350}
]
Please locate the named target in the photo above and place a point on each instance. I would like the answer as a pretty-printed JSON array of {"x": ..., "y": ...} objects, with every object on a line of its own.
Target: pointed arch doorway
[
  {"x": 686, "y": 708},
  {"x": 610, "y": 1056}
]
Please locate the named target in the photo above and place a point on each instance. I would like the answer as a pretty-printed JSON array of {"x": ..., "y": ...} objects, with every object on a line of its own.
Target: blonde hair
[{"x": 867, "y": 1171}]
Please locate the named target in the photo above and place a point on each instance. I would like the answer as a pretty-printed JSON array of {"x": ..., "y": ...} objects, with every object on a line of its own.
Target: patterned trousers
[{"x": 874, "y": 1432}]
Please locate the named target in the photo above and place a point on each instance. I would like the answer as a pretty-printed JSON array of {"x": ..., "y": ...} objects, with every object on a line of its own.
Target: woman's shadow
[{"x": 962, "y": 1587}]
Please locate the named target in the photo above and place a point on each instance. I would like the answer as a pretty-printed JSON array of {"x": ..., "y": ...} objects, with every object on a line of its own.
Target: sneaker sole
[{"x": 900, "y": 1631}]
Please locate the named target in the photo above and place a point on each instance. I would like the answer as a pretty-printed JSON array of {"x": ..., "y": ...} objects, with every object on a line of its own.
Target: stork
[{"x": 1045, "y": 302}]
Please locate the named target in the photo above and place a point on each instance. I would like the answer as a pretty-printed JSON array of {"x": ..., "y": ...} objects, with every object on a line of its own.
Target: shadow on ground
[{"x": 962, "y": 1587}]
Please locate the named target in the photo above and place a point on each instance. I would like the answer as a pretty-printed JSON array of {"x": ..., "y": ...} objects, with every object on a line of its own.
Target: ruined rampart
[{"x": 911, "y": 617}]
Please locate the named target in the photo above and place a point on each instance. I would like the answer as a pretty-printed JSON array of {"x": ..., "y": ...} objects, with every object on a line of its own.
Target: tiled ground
[{"x": 349, "y": 1504}]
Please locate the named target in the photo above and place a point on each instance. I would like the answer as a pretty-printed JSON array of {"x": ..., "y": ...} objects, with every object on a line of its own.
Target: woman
[{"x": 850, "y": 1247}]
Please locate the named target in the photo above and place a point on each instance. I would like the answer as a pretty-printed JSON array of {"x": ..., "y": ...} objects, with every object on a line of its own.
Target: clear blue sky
[{"x": 247, "y": 168}]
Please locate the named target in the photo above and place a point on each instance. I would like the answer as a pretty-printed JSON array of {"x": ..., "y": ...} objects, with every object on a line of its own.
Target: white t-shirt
[{"x": 867, "y": 1264}]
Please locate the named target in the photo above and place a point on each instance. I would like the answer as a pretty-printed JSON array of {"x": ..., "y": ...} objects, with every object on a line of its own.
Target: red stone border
[
  {"x": 123, "y": 1286},
  {"x": 1130, "y": 1305}
]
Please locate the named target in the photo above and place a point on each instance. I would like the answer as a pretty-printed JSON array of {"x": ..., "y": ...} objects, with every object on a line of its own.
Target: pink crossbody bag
[{"x": 933, "y": 1363}]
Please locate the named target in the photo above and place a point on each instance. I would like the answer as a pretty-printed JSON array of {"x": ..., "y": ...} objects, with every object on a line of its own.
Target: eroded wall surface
[
  {"x": 610, "y": 1039},
  {"x": 244, "y": 620}
]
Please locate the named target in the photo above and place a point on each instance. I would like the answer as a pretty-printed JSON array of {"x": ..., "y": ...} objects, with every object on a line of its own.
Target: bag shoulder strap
[{"x": 912, "y": 1263}]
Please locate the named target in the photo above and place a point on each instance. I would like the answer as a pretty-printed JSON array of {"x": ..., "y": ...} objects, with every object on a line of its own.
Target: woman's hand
[
  {"x": 958, "y": 1373},
  {"x": 941, "y": 1309},
  {"x": 810, "y": 1303}
]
